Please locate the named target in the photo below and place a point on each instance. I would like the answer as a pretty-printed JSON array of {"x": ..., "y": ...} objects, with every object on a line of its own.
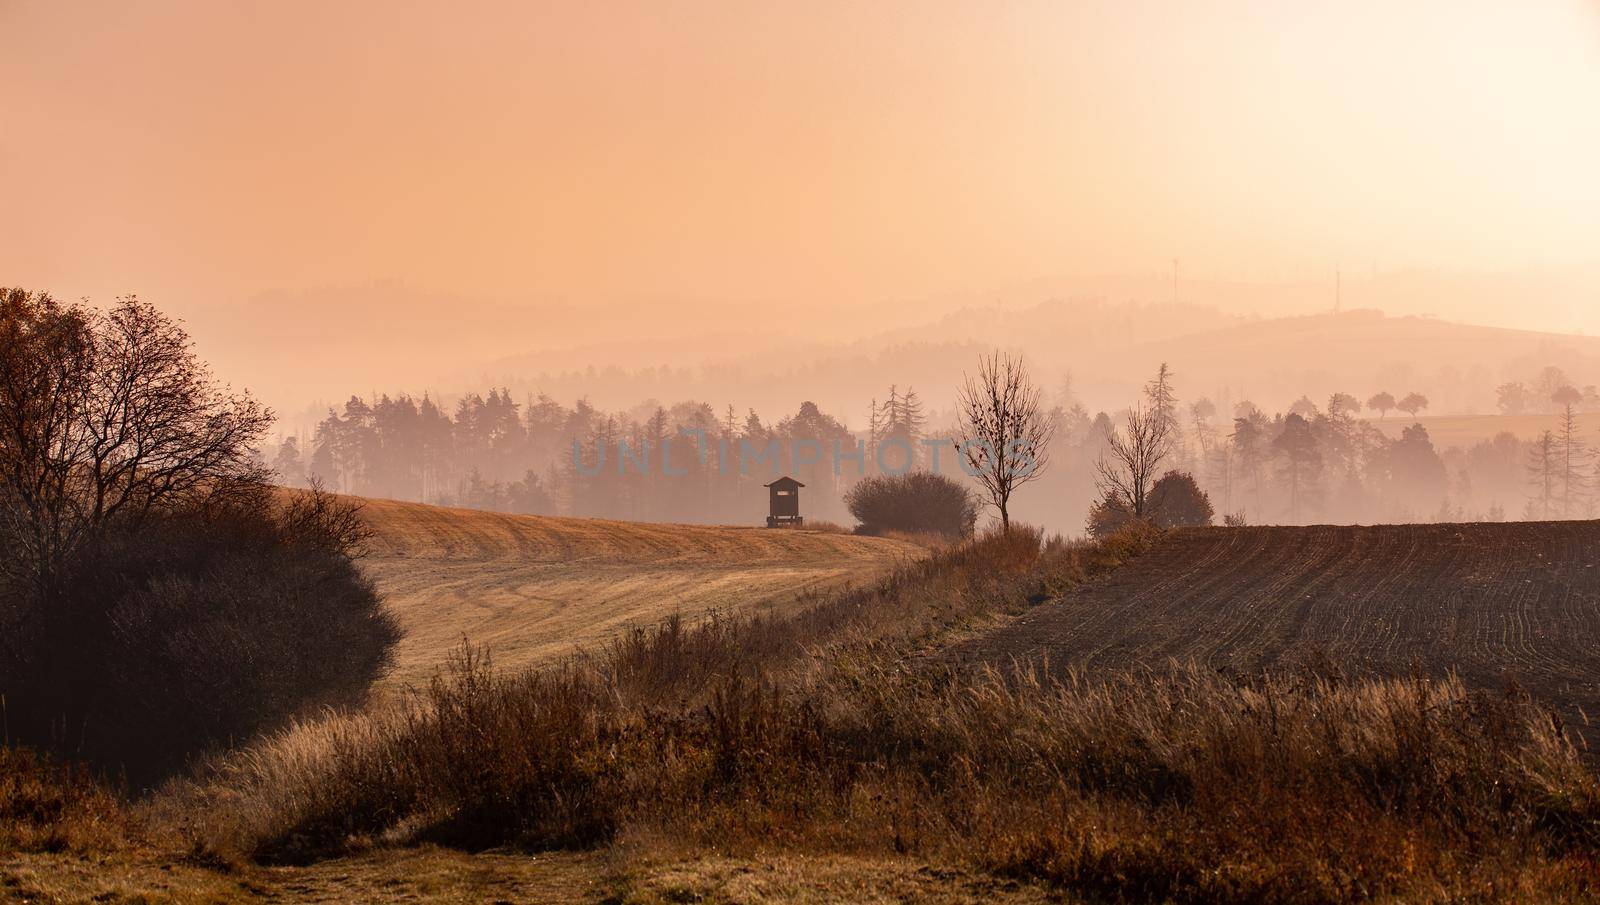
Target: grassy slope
[{"x": 532, "y": 587}]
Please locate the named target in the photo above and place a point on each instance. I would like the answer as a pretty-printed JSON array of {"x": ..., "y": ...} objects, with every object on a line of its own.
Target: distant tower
[
  {"x": 784, "y": 499},
  {"x": 1338, "y": 289}
]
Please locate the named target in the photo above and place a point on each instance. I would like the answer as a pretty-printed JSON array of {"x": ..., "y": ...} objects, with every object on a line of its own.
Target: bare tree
[
  {"x": 1130, "y": 466},
  {"x": 106, "y": 416},
  {"x": 1005, "y": 433}
]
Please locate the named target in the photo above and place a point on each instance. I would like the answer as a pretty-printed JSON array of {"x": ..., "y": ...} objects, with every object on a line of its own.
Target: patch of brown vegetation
[
  {"x": 828, "y": 751},
  {"x": 52, "y": 807},
  {"x": 821, "y": 731},
  {"x": 426, "y": 873},
  {"x": 799, "y": 878}
]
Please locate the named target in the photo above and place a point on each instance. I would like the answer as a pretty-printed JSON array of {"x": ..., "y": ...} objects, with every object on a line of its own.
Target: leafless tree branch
[
  {"x": 106, "y": 416},
  {"x": 1125, "y": 474},
  {"x": 1005, "y": 433}
]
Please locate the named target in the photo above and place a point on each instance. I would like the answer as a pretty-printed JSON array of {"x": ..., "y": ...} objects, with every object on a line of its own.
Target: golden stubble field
[{"x": 533, "y": 587}]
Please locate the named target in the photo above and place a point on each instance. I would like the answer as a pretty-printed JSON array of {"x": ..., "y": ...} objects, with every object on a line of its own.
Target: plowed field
[
  {"x": 1496, "y": 602},
  {"x": 532, "y": 587}
]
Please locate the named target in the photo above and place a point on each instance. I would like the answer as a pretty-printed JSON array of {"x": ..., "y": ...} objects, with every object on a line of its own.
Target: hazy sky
[{"x": 689, "y": 154}]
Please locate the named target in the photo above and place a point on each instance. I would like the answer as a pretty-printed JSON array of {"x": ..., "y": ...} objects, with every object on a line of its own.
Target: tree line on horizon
[{"x": 1307, "y": 464}]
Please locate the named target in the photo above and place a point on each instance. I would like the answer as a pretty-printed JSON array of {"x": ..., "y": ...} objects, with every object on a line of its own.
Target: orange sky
[{"x": 624, "y": 157}]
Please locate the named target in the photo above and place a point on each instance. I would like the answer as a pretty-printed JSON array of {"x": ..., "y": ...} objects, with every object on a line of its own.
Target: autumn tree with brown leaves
[
  {"x": 158, "y": 597},
  {"x": 106, "y": 416}
]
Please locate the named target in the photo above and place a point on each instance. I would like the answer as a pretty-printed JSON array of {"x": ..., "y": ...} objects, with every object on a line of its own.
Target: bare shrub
[{"x": 914, "y": 502}]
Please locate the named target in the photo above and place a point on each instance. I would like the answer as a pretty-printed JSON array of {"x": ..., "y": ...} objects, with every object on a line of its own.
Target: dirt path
[
  {"x": 1496, "y": 602},
  {"x": 533, "y": 587}
]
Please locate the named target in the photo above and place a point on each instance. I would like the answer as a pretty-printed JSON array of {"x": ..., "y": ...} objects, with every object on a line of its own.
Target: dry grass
[
  {"x": 927, "y": 540},
  {"x": 823, "y": 526},
  {"x": 823, "y": 731},
  {"x": 822, "y": 879},
  {"x": 646, "y": 670},
  {"x": 51, "y": 807},
  {"x": 1496, "y": 603},
  {"x": 827, "y": 751},
  {"x": 425, "y": 873},
  {"x": 528, "y": 588}
]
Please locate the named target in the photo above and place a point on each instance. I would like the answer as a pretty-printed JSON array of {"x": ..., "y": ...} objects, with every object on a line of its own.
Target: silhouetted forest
[
  {"x": 655, "y": 463},
  {"x": 692, "y": 462}
]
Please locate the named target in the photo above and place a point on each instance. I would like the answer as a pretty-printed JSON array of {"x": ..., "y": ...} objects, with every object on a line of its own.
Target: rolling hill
[
  {"x": 532, "y": 587},
  {"x": 1109, "y": 348}
]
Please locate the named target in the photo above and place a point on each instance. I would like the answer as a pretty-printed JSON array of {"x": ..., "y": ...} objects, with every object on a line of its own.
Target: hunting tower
[{"x": 785, "y": 503}]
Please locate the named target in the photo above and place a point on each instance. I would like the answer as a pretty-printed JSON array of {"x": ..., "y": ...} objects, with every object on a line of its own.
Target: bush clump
[
  {"x": 201, "y": 629},
  {"x": 158, "y": 597},
  {"x": 917, "y": 502},
  {"x": 1175, "y": 501}
]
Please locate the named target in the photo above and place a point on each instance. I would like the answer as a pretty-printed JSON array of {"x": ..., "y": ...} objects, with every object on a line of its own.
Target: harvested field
[
  {"x": 532, "y": 587},
  {"x": 1498, "y": 603}
]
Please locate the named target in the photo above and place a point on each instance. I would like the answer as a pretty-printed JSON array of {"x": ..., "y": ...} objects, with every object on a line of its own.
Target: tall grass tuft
[{"x": 48, "y": 806}]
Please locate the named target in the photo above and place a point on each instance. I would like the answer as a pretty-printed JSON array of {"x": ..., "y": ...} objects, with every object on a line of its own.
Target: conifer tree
[
  {"x": 1543, "y": 470},
  {"x": 1573, "y": 452}
]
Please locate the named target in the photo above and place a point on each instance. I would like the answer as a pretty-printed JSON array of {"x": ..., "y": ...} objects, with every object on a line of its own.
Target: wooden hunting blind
[{"x": 784, "y": 498}]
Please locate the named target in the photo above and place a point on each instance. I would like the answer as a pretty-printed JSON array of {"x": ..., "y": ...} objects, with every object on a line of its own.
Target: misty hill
[
  {"x": 1361, "y": 352},
  {"x": 1108, "y": 349},
  {"x": 324, "y": 344}
]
